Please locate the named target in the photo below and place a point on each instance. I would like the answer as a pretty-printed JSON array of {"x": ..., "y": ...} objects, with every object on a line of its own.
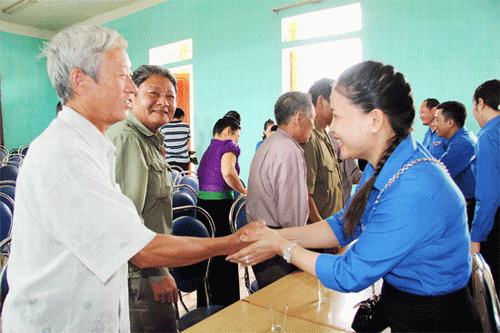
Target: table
[
  {"x": 243, "y": 316},
  {"x": 300, "y": 291}
]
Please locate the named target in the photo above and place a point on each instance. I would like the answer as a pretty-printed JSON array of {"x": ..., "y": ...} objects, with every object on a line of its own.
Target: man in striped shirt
[{"x": 177, "y": 134}]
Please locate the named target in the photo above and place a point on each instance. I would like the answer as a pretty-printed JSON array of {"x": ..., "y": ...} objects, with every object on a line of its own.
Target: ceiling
[{"x": 50, "y": 16}]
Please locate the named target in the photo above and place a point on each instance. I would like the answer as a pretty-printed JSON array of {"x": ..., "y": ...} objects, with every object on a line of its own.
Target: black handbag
[{"x": 370, "y": 316}]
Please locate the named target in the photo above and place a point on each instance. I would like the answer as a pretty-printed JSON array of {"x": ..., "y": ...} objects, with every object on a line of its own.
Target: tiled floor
[{"x": 190, "y": 299}]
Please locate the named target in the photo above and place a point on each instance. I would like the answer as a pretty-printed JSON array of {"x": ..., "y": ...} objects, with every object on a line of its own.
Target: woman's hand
[{"x": 266, "y": 244}]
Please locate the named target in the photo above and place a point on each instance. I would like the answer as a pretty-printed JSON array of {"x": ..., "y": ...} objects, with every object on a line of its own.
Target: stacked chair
[
  {"x": 237, "y": 220},
  {"x": 189, "y": 278},
  {"x": 10, "y": 164},
  {"x": 484, "y": 294}
]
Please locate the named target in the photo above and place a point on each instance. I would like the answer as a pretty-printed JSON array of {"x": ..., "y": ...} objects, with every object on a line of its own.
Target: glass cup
[
  {"x": 324, "y": 294},
  {"x": 278, "y": 316}
]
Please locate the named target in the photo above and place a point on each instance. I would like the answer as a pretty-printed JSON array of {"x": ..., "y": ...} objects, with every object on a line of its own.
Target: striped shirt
[{"x": 176, "y": 135}]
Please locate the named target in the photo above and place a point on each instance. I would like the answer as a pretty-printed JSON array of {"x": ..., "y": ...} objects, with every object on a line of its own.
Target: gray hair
[
  {"x": 291, "y": 103},
  {"x": 80, "y": 47},
  {"x": 142, "y": 73}
]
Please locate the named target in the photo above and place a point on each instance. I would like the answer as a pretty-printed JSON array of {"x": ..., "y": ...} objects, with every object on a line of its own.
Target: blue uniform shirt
[
  {"x": 458, "y": 160},
  {"x": 486, "y": 168},
  {"x": 415, "y": 237},
  {"x": 435, "y": 144}
]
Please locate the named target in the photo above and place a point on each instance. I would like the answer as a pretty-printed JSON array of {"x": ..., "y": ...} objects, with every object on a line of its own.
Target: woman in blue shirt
[
  {"x": 408, "y": 216},
  {"x": 485, "y": 226}
]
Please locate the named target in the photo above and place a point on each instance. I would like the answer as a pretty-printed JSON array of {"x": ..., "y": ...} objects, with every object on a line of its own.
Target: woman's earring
[{"x": 374, "y": 130}]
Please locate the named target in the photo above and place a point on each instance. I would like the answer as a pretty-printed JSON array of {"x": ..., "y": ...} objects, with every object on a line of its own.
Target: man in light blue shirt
[
  {"x": 459, "y": 154},
  {"x": 435, "y": 144}
]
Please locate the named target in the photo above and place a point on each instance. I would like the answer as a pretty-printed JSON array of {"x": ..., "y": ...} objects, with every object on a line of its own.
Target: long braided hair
[{"x": 372, "y": 85}]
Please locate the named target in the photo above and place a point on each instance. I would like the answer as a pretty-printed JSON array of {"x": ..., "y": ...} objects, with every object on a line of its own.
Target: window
[
  {"x": 332, "y": 21},
  {"x": 303, "y": 65},
  {"x": 169, "y": 53}
]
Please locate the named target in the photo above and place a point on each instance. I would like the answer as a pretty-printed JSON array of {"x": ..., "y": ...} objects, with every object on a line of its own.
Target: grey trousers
[{"x": 146, "y": 314}]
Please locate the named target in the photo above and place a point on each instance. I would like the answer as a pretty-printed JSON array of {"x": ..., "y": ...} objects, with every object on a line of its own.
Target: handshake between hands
[{"x": 258, "y": 243}]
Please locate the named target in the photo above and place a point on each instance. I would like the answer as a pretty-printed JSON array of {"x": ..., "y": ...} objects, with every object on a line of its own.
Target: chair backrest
[
  {"x": 237, "y": 214},
  {"x": 188, "y": 189},
  {"x": 5, "y": 220},
  {"x": 180, "y": 199},
  {"x": 4, "y": 286},
  {"x": 8, "y": 200},
  {"x": 8, "y": 171},
  {"x": 4, "y": 152},
  {"x": 191, "y": 181},
  {"x": 189, "y": 278},
  {"x": 484, "y": 294},
  {"x": 182, "y": 174}
]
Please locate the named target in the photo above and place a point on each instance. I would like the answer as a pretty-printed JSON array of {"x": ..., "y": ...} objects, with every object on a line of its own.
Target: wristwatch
[{"x": 286, "y": 254}]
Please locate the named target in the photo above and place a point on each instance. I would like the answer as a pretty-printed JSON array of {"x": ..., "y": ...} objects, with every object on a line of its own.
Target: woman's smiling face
[{"x": 351, "y": 126}]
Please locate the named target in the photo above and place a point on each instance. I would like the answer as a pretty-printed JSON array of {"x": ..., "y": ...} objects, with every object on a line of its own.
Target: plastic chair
[
  {"x": 4, "y": 152},
  {"x": 16, "y": 157},
  {"x": 191, "y": 181},
  {"x": 237, "y": 220},
  {"x": 23, "y": 150},
  {"x": 10, "y": 192},
  {"x": 177, "y": 179},
  {"x": 189, "y": 278},
  {"x": 9, "y": 170},
  {"x": 187, "y": 189},
  {"x": 485, "y": 295},
  {"x": 5, "y": 220},
  {"x": 4, "y": 286},
  {"x": 180, "y": 199}
]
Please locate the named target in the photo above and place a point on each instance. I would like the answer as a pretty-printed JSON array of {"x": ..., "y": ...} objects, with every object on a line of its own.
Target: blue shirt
[
  {"x": 415, "y": 237},
  {"x": 458, "y": 160},
  {"x": 486, "y": 168},
  {"x": 435, "y": 144}
]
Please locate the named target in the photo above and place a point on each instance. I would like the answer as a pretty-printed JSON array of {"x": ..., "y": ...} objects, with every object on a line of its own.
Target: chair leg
[{"x": 182, "y": 302}]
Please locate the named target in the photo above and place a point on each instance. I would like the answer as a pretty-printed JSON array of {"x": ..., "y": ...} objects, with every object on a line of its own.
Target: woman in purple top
[{"x": 218, "y": 174}]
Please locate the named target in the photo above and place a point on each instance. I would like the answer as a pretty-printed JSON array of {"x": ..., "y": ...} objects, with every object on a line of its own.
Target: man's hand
[
  {"x": 166, "y": 290},
  {"x": 266, "y": 244},
  {"x": 236, "y": 243}
]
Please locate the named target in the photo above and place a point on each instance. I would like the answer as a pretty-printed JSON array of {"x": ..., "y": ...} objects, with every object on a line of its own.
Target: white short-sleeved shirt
[{"x": 73, "y": 233}]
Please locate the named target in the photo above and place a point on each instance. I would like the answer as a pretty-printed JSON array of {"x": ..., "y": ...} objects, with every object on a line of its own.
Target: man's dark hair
[
  {"x": 322, "y": 87},
  {"x": 431, "y": 102},
  {"x": 142, "y": 73},
  {"x": 179, "y": 113},
  {"x": 454, "y": 110}
]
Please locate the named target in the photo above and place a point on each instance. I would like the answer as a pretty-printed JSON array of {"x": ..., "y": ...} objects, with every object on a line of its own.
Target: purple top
[{"x": 209, "y": 171}]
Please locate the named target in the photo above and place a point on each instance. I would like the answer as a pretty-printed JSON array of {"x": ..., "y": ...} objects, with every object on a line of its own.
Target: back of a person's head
[
  {"x": 179, "y": 113},
  {"x": 235, "y": 115},
  {"x": 431, "y": 102},
  {"x": 322, "y": 87},
  {"x": 289, "y": 104},
  {"x": 224, "y": 122},
  {"x": 142, "y": 73},
  {"x": 489, "y": 92},
  {"x": 80, "y": 47},
  {"x": 453, "y": 110},
  {"x": 268, "y": 123}
]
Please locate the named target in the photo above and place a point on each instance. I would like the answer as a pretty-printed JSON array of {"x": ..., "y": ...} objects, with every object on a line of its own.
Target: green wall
[
  {"x": 28, "y": 99},
  {"x": 445, "y": 48}
]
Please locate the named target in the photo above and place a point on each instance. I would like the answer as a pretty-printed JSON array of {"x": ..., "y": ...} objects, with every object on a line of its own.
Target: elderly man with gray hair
[
  {"x": 74, "y": 231},
  {"x": 277, "y": 185}
]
